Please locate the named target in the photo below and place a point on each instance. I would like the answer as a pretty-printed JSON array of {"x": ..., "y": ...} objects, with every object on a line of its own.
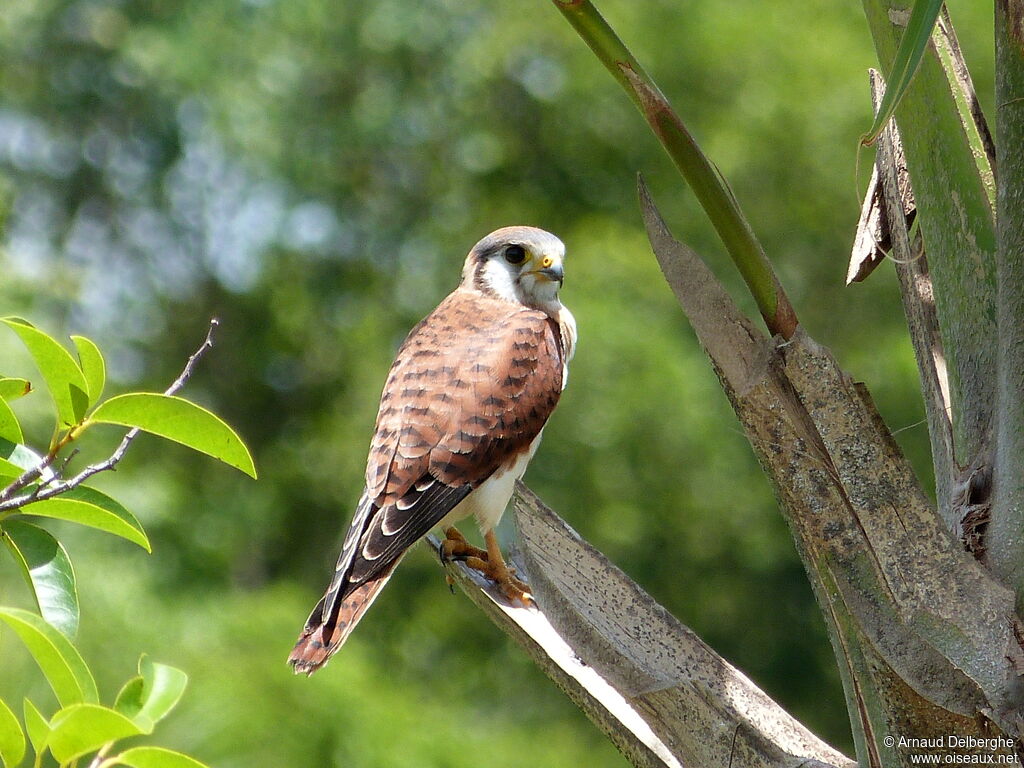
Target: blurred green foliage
[{"x": 313, "y": 173}]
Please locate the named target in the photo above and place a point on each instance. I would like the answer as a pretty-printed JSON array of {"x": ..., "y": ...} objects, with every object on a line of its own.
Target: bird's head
[{"x": 519, "y": 264}]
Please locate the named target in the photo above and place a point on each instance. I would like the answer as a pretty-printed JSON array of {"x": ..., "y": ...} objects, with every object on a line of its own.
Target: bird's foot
[
  {"x": 511, "y": 587},
  {"x": 455, "y": 547},
  {"x": 489, "y": 562}
]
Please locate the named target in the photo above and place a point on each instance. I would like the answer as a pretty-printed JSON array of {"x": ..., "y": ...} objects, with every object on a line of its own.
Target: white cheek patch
[{"x": 500, "y": 278}]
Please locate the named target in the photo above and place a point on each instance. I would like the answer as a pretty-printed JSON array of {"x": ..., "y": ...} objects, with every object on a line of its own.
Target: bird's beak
[{"x": 551, "y": 270}]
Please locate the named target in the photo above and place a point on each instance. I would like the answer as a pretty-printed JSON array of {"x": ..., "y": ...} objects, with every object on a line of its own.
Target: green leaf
[
  {"x": 93, "y": 367},
  {"x": 163, "y": 689},
  {"x": 149, "y": 697},
  {"x": 61, "y": 373},
  {"x": 47, "y": 569},
  {"x": 37, "y": 726},
  {"x": 16, "y": 458},
  {"x": 156, "y": 757},
  {"x": 12, "y": 740},
  {"x": 87, "y": 506},
  {"x": 130, "y": 698},
  {"x": 83, "y": 728},
  {"x": 62, "y": 665},
  {"x": 12, "y": 389},
  {"x": 904, "y": 66},
  {"x": 180, "y": 420},
  {"x": 10, "y": 429}
]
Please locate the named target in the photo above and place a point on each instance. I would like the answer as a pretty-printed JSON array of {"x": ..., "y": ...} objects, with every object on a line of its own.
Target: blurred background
[{"x": 312, "y": 173}]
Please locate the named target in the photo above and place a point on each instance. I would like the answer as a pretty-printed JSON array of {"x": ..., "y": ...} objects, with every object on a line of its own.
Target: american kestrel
[{"x": 461, "y": 415}]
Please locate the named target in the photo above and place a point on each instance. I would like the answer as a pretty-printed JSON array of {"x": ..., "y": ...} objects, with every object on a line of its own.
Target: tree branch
[
  {"x": 703, "y": 177},
  {"x": 1005, "y": 540},
  {"x": 56, "y": 488},
  {"x": 916, "y": 291},
  {"x": 948, "y": 163},
  {"x": 922, "y": 633},
  {"x": 656, "y": 689}
]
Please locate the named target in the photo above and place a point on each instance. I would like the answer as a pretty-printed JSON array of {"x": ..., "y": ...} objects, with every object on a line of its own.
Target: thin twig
[
  {"x": 40, "y": 494},
  {"x": 100, "y": 759},
  {"x": 63, "y": 468},
  {"x": 33, "y": 474}
]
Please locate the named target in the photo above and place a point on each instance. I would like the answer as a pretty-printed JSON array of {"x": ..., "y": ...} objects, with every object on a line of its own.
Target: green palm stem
[{"x": 700, "y": 173}]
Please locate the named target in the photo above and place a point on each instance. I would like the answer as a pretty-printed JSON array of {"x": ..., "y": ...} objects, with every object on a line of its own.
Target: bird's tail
[{"x": 331, "y": 622}]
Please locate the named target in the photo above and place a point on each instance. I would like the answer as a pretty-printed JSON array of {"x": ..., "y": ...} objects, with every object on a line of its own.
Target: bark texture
[{"x": 656, "y": 689}]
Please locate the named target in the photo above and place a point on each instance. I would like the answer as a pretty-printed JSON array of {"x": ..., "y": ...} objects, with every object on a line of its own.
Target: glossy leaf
[
  {"x": 163, "y": 689},
  {"x": 83, "y": 728},
  {"x": 62, "y": 665},
  {"x": 150, "y": 696},
  {"x": 12, "y": 389},
  {"x": 47, "y": 569},
  {"x": 156, "y": 757},
  {"x": 90, "y": 507},
  {"x": 93, "y": 367},
  {"x": 12, "y": 740},
  {"x": 36, "y": 726},
  {"x": 180, "y": 420},
  {"x": 63, "y": 377},
  {"x": 10, "y": 429},
  {"x": 904, "y": 66},
  {"x": 130, "y": 698},
  {"x": 15, "y": 458}
]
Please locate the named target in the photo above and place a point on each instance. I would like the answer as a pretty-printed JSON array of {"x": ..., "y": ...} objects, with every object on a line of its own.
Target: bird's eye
[{"x": 515, "y": 254}]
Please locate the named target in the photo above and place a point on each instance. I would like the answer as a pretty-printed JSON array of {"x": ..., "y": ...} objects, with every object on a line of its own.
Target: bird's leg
[
  {"x": 455, "y": 547},
  {"x": 497, "y": 571},
  {"x": 489, "y": 562}
]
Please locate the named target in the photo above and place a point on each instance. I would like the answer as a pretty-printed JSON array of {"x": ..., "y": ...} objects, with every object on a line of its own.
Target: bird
[{"x": 461, "y": 415}]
